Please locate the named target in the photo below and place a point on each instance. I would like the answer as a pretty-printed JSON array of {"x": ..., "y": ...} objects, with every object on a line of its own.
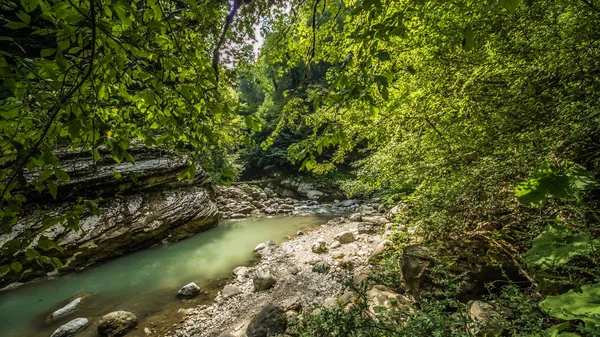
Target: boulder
[
  {"x": 189, "y": 290},
  {"x": 367, "y": 229},
  {"x": 344, "y": 237},
  {"x": 116, "y": 324},
  {"x": 230, "y": 291},
  {"x": 415, "y": 261},
  {"x": 348, "y": 203},
  {"x": 67, "y": 309},
  {"x": 319, "y": 246},
  {"x": 237, "y": 216},
  {"x": 291, "y": 303},
  {"x": 335, "y": 244},
  {"x": 376, "y": 219},
  {"x": 241, "y": 271},
  {"x": 263, "y": 279},
  {"x": 380, "y": 248},
  {"x": 336, "y": 254},
  {"x": 356, "y": 217},
  {"x": 381, "y": 297},
  {"x": 483, "y": 319},
  {"x": 70, "y": 328},
  {"x": 265, "y": 248},
  {"x": 270, "y": 321}
]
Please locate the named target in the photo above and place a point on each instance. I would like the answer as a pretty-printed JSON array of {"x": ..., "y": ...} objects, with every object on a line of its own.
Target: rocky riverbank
[{"x": 295, "y": 278}]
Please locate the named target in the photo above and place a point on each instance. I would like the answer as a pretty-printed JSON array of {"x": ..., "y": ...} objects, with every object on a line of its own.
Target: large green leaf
[
  {"x": 574, "y": 305},
  {"x": 557, "y": 245}
]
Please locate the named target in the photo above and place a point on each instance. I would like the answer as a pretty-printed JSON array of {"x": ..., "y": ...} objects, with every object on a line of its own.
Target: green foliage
[
  {"x": 561, "y": 181},
  {"x": 557, "y": 245},
  {"x": 583, "y": 305}
]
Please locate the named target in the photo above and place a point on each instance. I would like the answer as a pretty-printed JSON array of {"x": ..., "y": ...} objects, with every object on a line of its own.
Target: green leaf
[
  {"x": 510, "y": 5},
  {"x": 557, "y": 245},
  {"x": 24, "y": 17},
  {"x": 62, "y": 175},
  {"x": 52, "y": 188},
  {"x": 188, "y": 173},
  {"x": 47, "y": 52},
  {"x": 29, "y": 5},
  {"x": 468, "y": 38},
  {"x": 574, "y": 305},
  {"x": 15, "y": 25},
  {"x": 16, "y": 266},
  {"x": 46, "y": 244},
  {"x": 96, "y": 154},
  {"x": 4, "y": 269}
]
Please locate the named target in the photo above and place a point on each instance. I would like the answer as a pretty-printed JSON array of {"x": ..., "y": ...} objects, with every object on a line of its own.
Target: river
[{"x": 147, "y": 281}]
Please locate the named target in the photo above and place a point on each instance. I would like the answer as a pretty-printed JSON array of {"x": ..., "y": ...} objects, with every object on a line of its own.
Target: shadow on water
[{"x": 146, "y": 282}]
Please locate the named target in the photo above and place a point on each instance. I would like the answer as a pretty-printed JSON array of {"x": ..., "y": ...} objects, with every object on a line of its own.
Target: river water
[{"x": 147, "y": 281}]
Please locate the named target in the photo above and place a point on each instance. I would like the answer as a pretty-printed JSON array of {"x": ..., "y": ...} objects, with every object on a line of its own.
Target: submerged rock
[
  {"x": 270, "y": 321},
  {"x": 67, "y": 309},
  {"x": 70, "y": 328},
  {"x": 189, "y": 290},
  {"x": 116, "y": 324}
]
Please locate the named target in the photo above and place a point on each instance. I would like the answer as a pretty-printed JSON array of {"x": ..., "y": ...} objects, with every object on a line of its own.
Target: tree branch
[{"x": 228, "y": 21}]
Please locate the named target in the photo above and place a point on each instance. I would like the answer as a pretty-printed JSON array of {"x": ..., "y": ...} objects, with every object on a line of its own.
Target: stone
[
  {"x": 237, "y": 216},
  {"x": 337, "y": 254},
  {"x": 270, "y": 211},
  {"x": 270, "y": 321},
  {"x": 484, "y": 319},
  {"x": 230, "y": 291},
  {"x": 335, "y": 244},
  {"x": 395, "y": 210},
  {"x": 265, "y": 248},
  {"x": 381, "y": 296},
  {"x": 240, "y": 271},
  {"x": 189, "y": 290},
  {"x": 380, "y": 248},
  {"x": 415, "y": 261},
  {"x": 292, "y": 303},
  {"x": 116, "y": 324},
  {"x": 348, "y": 203},
  {"x": 344, "y": 237},
  {"x": 330, "y": 303},
  {"x": 376, "y": 219},
  {"x": 300, "y": 233},
  {"x": 225, "y": 334},
  {"x": 263, "y": 279},
  {"x": 70, "y": 328},
  {"x": 67, "y": 309},
  {"x": 367, "y": 229},
  {"x": 356, "y": 217},
  {"x": 263, "y": 196},
  {"x": 293, "y": 270},
  {"x": 321, "y": 267},
  {"x": 346, "y": 298},
  {"x": 319, "y": 246}
]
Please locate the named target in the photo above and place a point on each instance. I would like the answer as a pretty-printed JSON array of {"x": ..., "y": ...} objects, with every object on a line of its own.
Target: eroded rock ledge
[{"x": 143, "y": 205}]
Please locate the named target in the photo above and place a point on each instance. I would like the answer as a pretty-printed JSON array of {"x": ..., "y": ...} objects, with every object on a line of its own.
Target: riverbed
[{"x": 147, "y": 281}]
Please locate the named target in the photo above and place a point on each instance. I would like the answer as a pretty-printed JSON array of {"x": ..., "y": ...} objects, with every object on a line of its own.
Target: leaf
[
  {"x": 29, "y": 5},
  {"x": 52, "y": 188},
  {"x": 188, "y": 173},
  {"x": 468, "y": 38},
  {"x": 46, "y": 244},
  {"x": 510, "y": 5},
  {"x": 15, "y": 25},
  {"x": 4, "y": 269},
  {"x": 24, "y": 17},
  {"x": 62, "y": 175},
  {"x": 557, "y": 245},
  {"x": 47, "y": 52},
  {"x": 573, "y": 305},
  {"x": 16, "y": 266}
]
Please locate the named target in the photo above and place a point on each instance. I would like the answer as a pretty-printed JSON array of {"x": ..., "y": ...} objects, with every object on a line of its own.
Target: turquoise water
[{"x": 147, "y": 281}]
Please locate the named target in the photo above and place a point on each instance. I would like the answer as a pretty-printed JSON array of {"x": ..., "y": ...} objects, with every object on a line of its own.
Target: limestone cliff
[{"x": 143, "y": 204}]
